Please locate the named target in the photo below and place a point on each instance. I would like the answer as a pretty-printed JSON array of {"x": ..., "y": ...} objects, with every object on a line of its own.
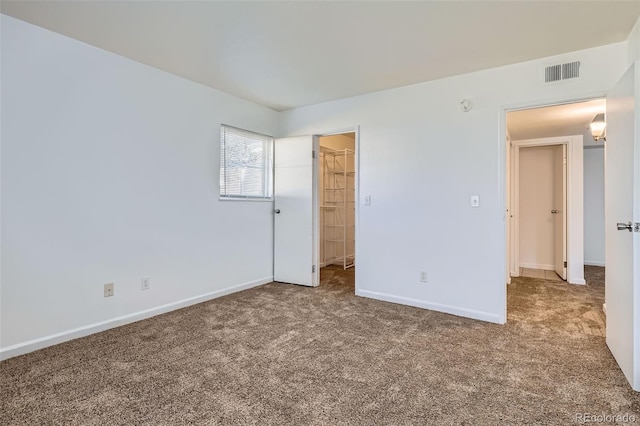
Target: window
[{"x": 246, "y": 164}]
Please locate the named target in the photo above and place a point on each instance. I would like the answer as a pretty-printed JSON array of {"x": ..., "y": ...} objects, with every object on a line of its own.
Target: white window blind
[{"x": 246, "y": 164}]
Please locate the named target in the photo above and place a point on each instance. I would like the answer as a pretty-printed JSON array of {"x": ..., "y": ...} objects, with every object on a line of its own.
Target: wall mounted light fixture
[{"x": 597, "y": 128}]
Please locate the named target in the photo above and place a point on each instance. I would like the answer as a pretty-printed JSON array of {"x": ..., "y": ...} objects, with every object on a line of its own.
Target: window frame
[{"x": 267, "y": 169}]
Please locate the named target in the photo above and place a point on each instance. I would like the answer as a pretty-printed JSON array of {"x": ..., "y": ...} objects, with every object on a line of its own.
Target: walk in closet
[{"x": 337, "y": 200}]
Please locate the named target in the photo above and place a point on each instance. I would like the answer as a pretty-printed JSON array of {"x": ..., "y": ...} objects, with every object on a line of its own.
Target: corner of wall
[{"x": 633, "y": 44}]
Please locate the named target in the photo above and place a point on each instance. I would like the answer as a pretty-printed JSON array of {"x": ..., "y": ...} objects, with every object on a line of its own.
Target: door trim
[
  {"x": 503, "y": 168},
  {"x": 356, "y": 164}
]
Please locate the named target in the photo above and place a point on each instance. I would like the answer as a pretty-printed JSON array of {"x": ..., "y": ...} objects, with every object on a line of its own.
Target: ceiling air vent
[
  {"x": 553, "y": 73},
  {"x": 562, "y": 72},
  {"x": 571, "y": 70}
]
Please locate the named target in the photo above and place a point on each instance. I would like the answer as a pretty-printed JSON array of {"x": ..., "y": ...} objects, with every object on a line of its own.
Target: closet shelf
[
  {"x": 339, "y": 172},
  {"x": 337, "y": 210}
]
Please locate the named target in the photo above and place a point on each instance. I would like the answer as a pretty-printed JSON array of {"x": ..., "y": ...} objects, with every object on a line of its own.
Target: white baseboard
[
  {"x": 538, "y": 266},
  {"x": 54, "y": 339},
  {"x": 461, "y": 312},
  {"x": 593, "y": 263}
]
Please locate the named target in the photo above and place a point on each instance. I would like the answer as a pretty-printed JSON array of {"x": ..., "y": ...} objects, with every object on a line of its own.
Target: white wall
[
  {"x": 594, "y": 206},
  {"x": 536, "y": 197},
  {"x": 633, "y": 44},
  {"x": 421, "y": 159},
  {"x": 110, "y": 173}
]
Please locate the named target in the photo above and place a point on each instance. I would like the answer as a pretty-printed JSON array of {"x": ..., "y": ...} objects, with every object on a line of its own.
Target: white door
[
  {"x": 559, "y": 211},
  {"x": 620, "y": 252},
  {"x": 295, "y": 230}
]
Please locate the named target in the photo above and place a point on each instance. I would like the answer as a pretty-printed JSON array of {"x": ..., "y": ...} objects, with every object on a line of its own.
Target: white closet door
[{"x": 295, "y": 229}]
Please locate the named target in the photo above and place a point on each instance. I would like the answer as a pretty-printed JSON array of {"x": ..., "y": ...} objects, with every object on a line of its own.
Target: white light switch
[
  {"x": 367, "y": 200},
  {"x": 475, "y": 201}
]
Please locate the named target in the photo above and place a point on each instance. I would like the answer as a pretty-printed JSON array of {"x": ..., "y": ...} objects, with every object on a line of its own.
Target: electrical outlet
[
  {"x": 423, "y": 277},
  {"x": 145, "y": 283},
  {"x": 108, "y": 290}
]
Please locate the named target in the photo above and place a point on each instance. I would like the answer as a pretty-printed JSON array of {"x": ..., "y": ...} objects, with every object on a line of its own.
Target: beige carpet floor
[{"x": 282, "y": 354}]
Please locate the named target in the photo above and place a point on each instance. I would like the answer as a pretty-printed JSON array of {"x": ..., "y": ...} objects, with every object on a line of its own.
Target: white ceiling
[
  {"x": 288, "y": 54},
  {"x": 558, "y": 120}
]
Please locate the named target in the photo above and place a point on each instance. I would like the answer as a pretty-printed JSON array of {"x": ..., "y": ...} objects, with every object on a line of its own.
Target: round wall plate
[{"x": 465, "y": 105}]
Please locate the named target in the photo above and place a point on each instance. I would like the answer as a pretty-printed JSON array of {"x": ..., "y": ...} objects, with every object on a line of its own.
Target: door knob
[
  {"x": 277, "y": 211},
  {"x": 623, "y": 226},
  {"x": 554, "y": 211}
]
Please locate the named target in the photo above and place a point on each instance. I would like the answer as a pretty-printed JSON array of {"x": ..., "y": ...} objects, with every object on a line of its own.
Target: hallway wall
[{"x": 594, "y": 226}]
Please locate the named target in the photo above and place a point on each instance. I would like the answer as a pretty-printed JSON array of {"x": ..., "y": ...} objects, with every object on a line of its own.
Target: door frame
[
  {"x": 503, "y": 170},
  {"x": 356, "y": 165},
  {"x": 574, "y": 199}
]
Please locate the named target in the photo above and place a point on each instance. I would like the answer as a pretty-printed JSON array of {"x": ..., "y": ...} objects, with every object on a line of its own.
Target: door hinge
[
  {"x": 565, "y": 263},
  {"x": 313, "y": 269},
  {"x": 313, "y": 154},
  {"x": 636, "y": 227}
]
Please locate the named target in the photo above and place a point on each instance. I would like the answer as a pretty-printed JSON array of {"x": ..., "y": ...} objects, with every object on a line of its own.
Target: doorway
[
  {"x": 315, "y": 208},
  {"x": 557, "y": 125},
  {"x": 337, "y": 202},
  {"x": 620, "y": 210},
  {"x": 541, "y": 195},
  {"x": 546, "y": 216},
  {"x": 551, "y": 224}
]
